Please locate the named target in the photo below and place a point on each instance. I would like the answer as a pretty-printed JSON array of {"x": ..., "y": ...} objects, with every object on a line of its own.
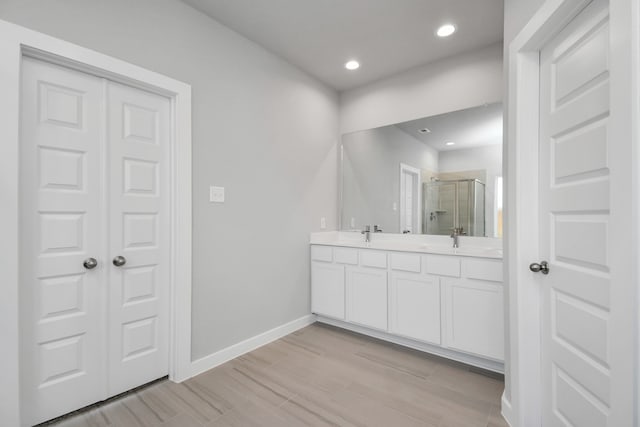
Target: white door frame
[
  {"x": 417, "y": 219},
  {"x": 15, "y": 42},
  {"x": 523, "y": 406}
]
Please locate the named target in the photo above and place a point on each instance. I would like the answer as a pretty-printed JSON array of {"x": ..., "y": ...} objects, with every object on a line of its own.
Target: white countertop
[{"x": 482, "y": 247}]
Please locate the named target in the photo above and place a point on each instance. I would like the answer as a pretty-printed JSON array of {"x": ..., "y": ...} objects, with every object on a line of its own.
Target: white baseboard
[
  {"x": 490, "y": 365},
  {"x": 218, "y": 358},
  {"x": 507, "y": 411}
]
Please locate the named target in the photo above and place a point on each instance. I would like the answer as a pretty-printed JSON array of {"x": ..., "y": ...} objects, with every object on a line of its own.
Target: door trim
[
  {"x": 16, "y": 42},
  {"x": 416, "y": 215},
  {"x": 522, "y": 402}
]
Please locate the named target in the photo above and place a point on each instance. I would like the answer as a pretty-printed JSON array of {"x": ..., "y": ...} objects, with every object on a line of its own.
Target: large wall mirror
[{"x": 426, "y": 176}]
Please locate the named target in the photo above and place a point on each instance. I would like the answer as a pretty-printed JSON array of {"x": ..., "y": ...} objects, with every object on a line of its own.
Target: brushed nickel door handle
[
  {"x": 119, "y": 261},
  {"x": 90, "y": 263},
  {"x": 543, "y": 267}
]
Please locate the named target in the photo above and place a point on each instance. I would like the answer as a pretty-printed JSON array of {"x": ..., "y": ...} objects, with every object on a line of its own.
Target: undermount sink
[
  {"x": 395, "y": 245},
  {"x": 465, "y": 250},
  {"x": 437, "y": 248},
  {"x": 473, "y": 250},
  {"x": 391, "y": 245}
]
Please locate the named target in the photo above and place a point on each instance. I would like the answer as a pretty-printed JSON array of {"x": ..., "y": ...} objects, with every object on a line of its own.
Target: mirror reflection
[{"x": 429, "y": 176}]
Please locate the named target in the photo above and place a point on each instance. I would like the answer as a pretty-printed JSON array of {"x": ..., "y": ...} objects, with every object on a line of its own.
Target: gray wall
[
  {"x": 516, "y": 15},
  {"x": 261, "y": 128},
  {"x": 371, "y": 174},
  {"x": 452, "y": 84}
]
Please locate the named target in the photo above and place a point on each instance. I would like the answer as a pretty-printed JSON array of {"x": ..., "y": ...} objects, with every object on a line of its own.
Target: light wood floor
[{"x": 318, "y": 376}]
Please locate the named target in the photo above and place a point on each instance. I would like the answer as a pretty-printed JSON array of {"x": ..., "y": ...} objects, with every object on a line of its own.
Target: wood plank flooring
[{"x": 318, "y": 376}]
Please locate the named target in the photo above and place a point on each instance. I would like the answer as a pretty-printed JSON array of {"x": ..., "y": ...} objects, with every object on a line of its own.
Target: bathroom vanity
[
  {"x": 409, "y": 187},
  {"x": 416, "y": 291}
]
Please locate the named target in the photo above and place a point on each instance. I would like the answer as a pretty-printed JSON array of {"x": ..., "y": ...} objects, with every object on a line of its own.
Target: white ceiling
[
  {"x": 385, "y": 36},
  {"x": 473, "y": 127}
]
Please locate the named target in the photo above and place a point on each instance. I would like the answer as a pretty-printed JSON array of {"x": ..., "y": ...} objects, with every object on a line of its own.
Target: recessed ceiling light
[
  {"x": 446, "y": 30},
  {"x": 352, "y": 65},
  {"x": 425, "y": 130},
  {"x": 450, "y": 143}
]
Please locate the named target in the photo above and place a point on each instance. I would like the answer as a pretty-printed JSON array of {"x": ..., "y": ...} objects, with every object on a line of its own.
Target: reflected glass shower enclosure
[{"x": 454, "y": 204}]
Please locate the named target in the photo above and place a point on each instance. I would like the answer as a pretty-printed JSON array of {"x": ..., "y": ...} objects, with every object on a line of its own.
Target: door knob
[
  {"x": 90, "y": 263},
  {"x": 542, "y": 267},
  {"x": 119, "y": 261}
]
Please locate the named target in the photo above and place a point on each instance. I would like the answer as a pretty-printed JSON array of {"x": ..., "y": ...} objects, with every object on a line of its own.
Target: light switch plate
[
  {"x": 216, "y": 194},
  {"x": 323, "y": 223}
]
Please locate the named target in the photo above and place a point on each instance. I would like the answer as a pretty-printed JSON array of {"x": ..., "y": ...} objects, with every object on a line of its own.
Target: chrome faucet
[
  {"x": 367, "y": 233},
  {"x": 377, "y": 229},
  {"x": 457, "y": 231}
]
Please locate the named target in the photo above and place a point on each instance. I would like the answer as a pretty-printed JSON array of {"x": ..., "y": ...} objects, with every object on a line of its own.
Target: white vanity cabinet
[
  {"x": 367, "y": 297},
  {"x": 414, "y": 306},
  {"x": 474, "y": 317},
  {"x": 449, "y": 305},
  {"x": 473, "y": 305},
  {"x": 327, "y": 294},
  {"x": 328, "y": 291}
]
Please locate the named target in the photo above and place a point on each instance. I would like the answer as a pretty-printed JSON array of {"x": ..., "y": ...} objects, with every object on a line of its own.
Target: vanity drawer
[
  {"x": 482, "y": 269},
  {"x": 442, "y": 265},
  {"x": 405, "y": 262},
  {"x": 346, "y": 256},
  {"x": 322, "y": 253},
  {"x": 373, "y": 259}
]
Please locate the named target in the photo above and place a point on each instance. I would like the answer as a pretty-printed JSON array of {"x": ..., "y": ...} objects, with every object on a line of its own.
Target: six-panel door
[
  {"x": 574, "y": 211},
  {"x": 93, "y": 186}
]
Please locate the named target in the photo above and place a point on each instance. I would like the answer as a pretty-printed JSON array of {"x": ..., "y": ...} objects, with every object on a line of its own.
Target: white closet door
[
  {"x": 577, "y": 340},
  {"x": 138, "y": 139},
  {"x": 61, "y": 307},
  {"x": 94, "y": 185}
]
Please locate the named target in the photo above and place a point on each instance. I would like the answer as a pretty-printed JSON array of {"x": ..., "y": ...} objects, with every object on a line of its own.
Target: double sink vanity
[
  {"x": 428, "y": 275},
  {"x": 416, "y": 291}
]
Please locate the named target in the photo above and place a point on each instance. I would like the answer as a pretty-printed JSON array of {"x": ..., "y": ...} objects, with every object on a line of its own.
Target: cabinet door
[
  {"x": 414, "y": 306},
  {"x": 475, "y": 317},
  {"x": 327, "y": 289},
  {"x": 367, "y": 297}
]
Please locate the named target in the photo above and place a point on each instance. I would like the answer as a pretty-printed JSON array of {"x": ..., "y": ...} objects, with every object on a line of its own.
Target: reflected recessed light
[
  {"x": 446, "y": 30},
  {"x": 450, "y": 143},
  {"x": 352, "y": 65}
]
